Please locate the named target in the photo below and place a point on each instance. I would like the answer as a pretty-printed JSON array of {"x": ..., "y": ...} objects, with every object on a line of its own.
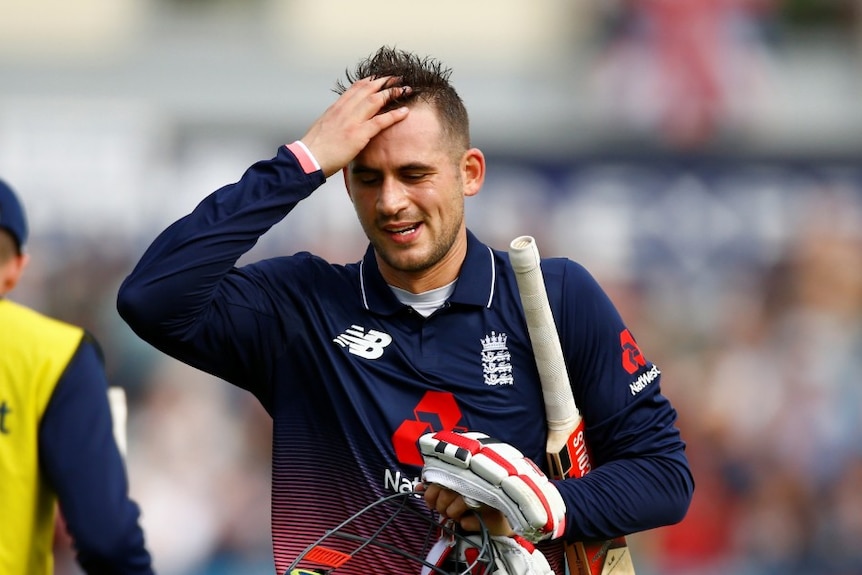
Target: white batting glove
[
  {"x": 489, "y": 471},
  {"x": 508, "y": 556},
  {"x": 517, "y": 556}
]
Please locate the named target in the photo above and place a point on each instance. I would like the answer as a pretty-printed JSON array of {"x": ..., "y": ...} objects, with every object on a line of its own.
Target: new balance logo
[{"x": 368, "y": 344}]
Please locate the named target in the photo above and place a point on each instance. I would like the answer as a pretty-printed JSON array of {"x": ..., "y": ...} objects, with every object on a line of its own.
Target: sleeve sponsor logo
[
  {"x": 644, "y": 380},
  {"x": 633, "y": 359}
]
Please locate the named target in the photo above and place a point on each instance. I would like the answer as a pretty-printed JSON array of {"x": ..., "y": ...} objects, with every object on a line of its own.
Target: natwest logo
[
  {"x": 436, "y": 411},
  {"x": 633, "y": 359}
]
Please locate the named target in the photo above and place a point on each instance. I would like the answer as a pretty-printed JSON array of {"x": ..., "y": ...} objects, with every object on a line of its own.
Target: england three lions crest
[{"x": 496, "y": 360}]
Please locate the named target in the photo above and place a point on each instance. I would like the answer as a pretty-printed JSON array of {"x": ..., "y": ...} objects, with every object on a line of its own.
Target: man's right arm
[
  {"x": 184, "y": 280},
  {"x": 182, "y": 297}
]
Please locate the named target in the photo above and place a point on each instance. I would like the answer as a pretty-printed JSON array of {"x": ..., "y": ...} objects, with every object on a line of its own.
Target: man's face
[
  {"x": 408, "y": 188},
  {"x": 12, "y": 263}
]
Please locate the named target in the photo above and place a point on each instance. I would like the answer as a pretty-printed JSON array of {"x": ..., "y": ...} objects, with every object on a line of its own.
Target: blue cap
[{"x": 12, "y": 218}]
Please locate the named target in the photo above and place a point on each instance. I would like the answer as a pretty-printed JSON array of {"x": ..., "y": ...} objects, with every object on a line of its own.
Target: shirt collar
[{"x": 475, "y": 286}]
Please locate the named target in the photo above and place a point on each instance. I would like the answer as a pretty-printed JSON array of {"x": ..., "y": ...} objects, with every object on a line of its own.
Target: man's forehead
[
  {"x": 422, "y": 118},
  {"x": 416, "y": 139}
]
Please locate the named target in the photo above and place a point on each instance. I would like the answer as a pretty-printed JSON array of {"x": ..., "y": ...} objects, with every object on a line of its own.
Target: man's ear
[
  {"x": 473, "y": 171},
  {"x": 10, "y": 272}
]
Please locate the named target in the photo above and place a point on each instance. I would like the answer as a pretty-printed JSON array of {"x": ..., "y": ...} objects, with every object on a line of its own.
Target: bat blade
[{"x": 566, "y": 447}]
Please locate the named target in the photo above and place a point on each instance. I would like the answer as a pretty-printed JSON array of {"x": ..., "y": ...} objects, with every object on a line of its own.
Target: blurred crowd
[
  {"x": 770, "y": 404},
  {"x": 752, "y": 310}
]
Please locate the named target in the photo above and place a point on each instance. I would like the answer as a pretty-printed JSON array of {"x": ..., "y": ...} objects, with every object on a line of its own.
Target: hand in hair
[{"x": 347, "y": 126}]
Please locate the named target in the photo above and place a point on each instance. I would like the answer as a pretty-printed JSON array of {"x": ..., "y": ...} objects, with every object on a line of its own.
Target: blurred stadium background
[{"x": 701, "y": 157}]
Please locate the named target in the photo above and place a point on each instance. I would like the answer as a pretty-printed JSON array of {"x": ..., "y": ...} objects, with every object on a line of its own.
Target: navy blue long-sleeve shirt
[{"x": 352, "y": 377}]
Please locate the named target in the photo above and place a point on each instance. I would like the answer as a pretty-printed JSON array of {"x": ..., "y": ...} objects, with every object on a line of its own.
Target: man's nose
[{"x": 392, "y": 196}]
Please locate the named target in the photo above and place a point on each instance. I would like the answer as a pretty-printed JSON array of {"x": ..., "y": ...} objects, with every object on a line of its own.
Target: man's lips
[{"x": 402, "y": 233}]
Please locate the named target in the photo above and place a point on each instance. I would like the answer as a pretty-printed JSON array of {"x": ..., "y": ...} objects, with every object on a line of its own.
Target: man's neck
[{"x": 438, "y": 275}]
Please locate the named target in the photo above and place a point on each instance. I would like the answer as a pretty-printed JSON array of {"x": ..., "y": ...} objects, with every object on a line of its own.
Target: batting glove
[
  {"x": 486, "y": 470},
  {"x": 507, "y": 556}
]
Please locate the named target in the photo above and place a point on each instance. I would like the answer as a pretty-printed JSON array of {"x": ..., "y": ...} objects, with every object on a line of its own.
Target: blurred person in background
[
  {"x": 425, "y": 334},
  {"x": 57, "y": 442},
  {"x": 680, "y": 69}
]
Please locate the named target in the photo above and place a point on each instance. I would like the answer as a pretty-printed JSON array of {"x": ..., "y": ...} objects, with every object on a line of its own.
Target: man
[
  {"x": 356, "y": 362},
  {"x": 56, "y": 435}
]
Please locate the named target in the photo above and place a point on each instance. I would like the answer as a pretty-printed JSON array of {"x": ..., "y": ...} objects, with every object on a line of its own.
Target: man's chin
[
  {"x": 406, "y": 261},
  {"x": 405, "y": 265}
]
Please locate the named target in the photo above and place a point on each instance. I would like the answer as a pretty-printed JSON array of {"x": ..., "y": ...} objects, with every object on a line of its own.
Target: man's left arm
[{"x": 640, "y": 477}]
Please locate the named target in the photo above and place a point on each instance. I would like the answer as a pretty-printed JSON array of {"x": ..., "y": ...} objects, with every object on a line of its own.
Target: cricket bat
[{"x": 566, "y": 448}]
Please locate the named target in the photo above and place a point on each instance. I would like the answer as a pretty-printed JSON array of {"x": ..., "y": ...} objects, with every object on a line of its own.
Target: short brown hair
[{"x": 428, "y": 80}]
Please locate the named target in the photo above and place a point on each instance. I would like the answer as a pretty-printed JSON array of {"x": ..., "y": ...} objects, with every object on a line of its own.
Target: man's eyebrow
[
  {"x": 360, "y": 169},
  {"x": 410, "y": 167},
  {"x": 416, "y": 167}
]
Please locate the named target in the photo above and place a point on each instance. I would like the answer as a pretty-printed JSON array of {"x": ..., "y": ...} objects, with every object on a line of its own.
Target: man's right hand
[
  {"x": 490, "y": 472},
  {"x": 347, "y": 126}
]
